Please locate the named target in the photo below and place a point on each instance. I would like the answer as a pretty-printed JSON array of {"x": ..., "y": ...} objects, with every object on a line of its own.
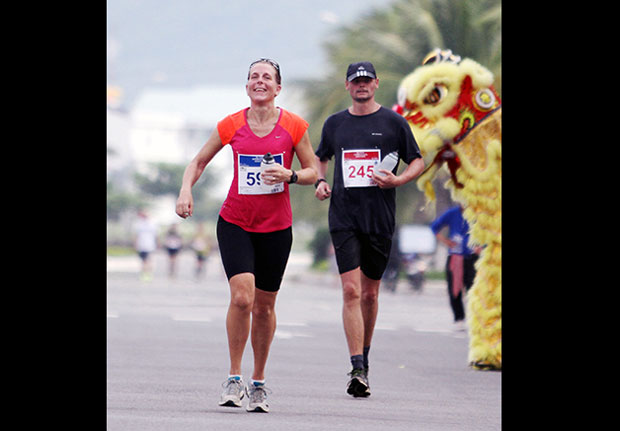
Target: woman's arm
[
  {"x": 193, "y": 171},
  {"x": 307, "y": 175}
]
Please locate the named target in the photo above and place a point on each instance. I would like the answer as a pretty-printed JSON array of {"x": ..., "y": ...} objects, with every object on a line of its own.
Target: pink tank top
[{"x": 254, "y": 206}]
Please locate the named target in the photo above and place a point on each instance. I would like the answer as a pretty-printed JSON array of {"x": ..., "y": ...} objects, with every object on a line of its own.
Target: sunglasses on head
[
  {"x": 266, "y": 60},
  {"x": 275, "y": 65}
]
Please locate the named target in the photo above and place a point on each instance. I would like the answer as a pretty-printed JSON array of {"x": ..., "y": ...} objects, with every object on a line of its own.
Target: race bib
[
  {"x": 249, "y": 175},
  {"x": 358, "y": 167}
]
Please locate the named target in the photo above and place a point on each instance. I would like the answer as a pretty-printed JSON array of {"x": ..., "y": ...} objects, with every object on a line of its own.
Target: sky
[{"x": 181, "y": 43}]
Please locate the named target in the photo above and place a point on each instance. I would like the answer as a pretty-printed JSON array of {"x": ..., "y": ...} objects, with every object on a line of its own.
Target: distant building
[{"x": 119, "y": 156}]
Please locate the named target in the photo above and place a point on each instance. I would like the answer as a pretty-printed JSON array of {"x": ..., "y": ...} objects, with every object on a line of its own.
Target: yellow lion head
[{"x": 444, "y": 101}]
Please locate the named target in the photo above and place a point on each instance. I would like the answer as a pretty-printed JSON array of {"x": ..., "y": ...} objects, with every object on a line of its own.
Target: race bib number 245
[{"x": 358, "y": 167}]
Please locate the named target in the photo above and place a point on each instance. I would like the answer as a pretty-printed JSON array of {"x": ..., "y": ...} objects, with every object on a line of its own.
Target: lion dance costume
[{"x": 455, "y": 115}]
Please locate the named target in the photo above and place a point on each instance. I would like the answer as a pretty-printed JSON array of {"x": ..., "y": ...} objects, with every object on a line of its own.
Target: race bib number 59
[
  {"x": 249, "y": 176},
  {"x": 358, "y": 167}
]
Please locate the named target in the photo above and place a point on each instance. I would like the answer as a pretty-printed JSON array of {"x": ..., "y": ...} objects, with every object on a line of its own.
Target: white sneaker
[
  {"x": 257, "y": 395},
  {"x": 459, "y": 325},
  {"x": 233, "y": 393}
]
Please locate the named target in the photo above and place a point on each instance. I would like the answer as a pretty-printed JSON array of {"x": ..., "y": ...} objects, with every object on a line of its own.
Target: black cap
[{"x": 363, "y": 68}]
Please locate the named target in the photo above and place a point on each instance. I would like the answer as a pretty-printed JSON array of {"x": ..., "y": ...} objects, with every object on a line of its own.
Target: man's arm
[
  {"x": 323, "y": 191},
  {"x": 390, "y": 180}
]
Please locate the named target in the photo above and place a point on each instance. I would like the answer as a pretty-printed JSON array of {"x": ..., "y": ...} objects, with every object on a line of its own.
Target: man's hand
[
  {"x": 323, "y": 191},
  {"x": 386, "y": 181}
]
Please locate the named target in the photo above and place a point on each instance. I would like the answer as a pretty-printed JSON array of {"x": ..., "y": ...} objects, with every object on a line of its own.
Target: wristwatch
[
  {"x": 319, "y": 181},
  {"x": 293, "y": 177}
]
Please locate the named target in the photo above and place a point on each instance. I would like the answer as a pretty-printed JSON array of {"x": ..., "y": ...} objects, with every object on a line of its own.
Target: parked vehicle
[
  {"x": 416, "y": 246},
  {"x": 390, "y": 277},
  {"x": 415, "y": 266}
]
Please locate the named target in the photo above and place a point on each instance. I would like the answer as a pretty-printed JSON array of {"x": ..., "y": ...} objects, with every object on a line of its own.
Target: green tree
[
  {"x": 160, "y": 179},
  {"x": 397, "y": 38},
  {"x": 118, "y": 201},
  {"x": 166, "y": 179}
]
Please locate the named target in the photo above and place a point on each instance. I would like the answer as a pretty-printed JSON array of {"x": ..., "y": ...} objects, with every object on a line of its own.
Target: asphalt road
[{"x": 167, "y": 358}]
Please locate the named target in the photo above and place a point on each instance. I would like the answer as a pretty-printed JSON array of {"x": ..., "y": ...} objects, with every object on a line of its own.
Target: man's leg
[
  {"x": 369, "y": 306},
  {"x": 354, "y": 323},
  {"x": 352, "y": 316}
]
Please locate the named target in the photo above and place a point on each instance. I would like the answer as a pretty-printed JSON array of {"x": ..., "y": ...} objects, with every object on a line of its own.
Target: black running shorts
[
  {"x": 263, "y": 254},
  {"x": 369, "y": 252}
]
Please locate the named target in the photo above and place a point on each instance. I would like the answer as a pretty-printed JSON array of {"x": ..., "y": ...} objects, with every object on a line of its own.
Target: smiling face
[
  {"x": 362, "y": 89},
  {"x": 262, "y": 85}
]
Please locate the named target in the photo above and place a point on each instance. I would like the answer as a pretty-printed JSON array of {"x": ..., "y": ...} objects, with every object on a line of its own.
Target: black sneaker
[{"x": 358, "y": 384}]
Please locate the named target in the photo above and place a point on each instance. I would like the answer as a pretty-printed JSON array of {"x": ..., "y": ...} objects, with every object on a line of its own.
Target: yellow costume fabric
[{"x": 455, "y": 115}]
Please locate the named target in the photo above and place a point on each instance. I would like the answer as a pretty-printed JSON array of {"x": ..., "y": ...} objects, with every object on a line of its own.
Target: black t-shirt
[{"x": 361, "y": 206}]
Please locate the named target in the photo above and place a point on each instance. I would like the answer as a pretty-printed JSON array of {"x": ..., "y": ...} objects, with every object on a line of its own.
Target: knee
[
  {"x": 370, "y": 296},
  {"x": 262, "y": 311},
  {"x": 243, "y": 301},
  {"x": 351, "y": 292}
]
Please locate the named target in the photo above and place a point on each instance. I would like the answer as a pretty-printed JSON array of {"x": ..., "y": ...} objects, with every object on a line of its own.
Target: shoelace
[
  {"x": 232, "y": 386},
  {"x": 257, "y": 392}
]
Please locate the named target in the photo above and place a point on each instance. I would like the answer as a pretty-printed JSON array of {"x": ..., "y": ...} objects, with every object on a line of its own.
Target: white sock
[
  {"x": 235, "y": 377},
  {"x": 257, "y": 382}
]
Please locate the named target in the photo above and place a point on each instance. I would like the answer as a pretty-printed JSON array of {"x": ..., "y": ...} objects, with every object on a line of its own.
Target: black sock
[
  {"x": 366, "y": 349},
  {"x": 357, "y": 361}
]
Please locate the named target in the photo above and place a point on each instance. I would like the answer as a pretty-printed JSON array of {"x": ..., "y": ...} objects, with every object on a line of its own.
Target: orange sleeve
[
  {"x": 227, "y": 127},
  {"x": 294, "y": 124}
]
